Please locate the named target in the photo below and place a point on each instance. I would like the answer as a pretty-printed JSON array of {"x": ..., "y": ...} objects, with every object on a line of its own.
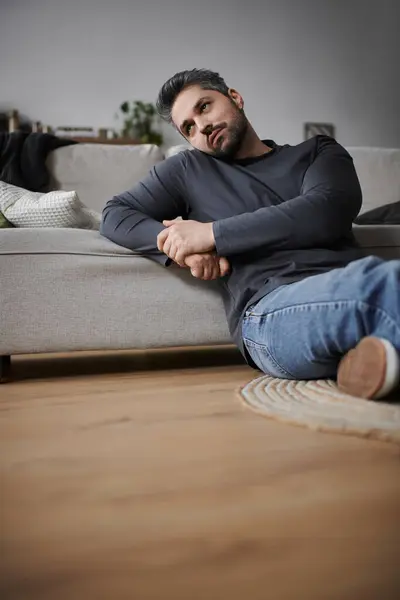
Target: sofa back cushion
[
  {"x": 378, "y": 170},
  {"x": 99, "y": 171}
]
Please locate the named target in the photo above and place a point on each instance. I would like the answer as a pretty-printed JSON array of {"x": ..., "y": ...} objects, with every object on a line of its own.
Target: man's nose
[{"x": 206, "y": 128}]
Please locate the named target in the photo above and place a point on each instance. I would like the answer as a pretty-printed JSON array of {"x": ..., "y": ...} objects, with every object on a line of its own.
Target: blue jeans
[{"x": 302, "y": 330}]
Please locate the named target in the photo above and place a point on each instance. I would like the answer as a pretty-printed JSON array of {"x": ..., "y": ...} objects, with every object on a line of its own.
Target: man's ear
[{"x": 236, "y": 98}]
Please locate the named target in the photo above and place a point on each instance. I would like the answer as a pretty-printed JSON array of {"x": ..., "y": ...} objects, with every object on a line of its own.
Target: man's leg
[{"x": 302, "y": 330}]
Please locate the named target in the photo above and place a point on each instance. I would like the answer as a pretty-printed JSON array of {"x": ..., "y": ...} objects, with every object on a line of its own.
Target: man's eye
[
  {"x": 204, "y": 105},
  {"x": 188, "y": 128}
]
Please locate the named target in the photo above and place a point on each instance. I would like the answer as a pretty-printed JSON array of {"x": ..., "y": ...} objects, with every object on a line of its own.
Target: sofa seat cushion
[
  {"x": 48, "y": 240},
  {"x": 80, "y": 241},
  {"x": 69, "y": 289}
]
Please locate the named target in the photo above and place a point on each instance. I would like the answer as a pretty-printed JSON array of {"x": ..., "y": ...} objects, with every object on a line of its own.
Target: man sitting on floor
[{"x": 274, "y": 224}]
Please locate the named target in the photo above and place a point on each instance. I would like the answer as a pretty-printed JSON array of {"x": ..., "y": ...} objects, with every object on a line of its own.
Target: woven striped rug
[{"x": 321, "y": 406}]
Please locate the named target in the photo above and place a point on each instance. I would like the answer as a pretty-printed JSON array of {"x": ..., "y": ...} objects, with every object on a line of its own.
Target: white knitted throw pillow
[{"x": 54, "y": 209}]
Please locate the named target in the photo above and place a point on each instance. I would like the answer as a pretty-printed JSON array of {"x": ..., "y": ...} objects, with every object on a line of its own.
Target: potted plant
[{"x": 138, "y": 122}]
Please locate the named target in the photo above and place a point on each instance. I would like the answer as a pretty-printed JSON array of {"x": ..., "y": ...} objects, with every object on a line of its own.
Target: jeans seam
[
  {"x": 302, "y": 306},
  {"x": 384, "y": 314}
]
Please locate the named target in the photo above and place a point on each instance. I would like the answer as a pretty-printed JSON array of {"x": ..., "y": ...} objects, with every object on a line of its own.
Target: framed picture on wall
[{"x": 313, "y": 129}]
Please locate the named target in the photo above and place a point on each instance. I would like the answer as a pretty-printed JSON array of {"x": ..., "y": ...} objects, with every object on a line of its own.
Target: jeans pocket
[
  {"x": 258, "y": 340},
  {"x": 262, "y": 357}
]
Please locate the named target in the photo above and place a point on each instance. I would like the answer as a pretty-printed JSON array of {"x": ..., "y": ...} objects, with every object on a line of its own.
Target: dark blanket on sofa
[
  {"x": 389, "y": 214},
  {"x": 23, "y": 158}
]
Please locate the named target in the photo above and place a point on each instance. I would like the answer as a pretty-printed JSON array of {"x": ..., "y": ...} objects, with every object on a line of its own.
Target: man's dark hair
[{"x": 208, "y": 80}]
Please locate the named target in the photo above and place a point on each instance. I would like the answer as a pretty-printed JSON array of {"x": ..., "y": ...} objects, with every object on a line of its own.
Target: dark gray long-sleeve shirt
[{"x": 278, "y": 218}]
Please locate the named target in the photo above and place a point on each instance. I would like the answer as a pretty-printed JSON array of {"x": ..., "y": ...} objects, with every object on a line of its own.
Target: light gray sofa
[{"x": 69, "y": 289}]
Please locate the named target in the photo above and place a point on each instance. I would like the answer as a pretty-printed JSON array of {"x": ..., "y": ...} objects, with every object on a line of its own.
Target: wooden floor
[{"x": 143, "y": 476}]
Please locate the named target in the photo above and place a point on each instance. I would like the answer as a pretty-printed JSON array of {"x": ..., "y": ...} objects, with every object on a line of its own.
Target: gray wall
[{"x": 72, "y": 62}]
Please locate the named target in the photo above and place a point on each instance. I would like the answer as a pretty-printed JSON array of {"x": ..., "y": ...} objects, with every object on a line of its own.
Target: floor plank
[{"x": 142, "y": 475}]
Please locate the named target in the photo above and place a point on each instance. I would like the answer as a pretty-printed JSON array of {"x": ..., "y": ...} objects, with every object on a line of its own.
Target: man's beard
[{"x": 231, "y": 139}]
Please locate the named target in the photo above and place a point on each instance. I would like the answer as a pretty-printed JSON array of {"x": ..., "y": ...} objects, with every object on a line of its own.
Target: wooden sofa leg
[{"x": 5, "y": 368}]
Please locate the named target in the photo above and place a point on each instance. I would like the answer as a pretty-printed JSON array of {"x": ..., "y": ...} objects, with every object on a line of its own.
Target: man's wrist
[{"x": 212, "y": 237}]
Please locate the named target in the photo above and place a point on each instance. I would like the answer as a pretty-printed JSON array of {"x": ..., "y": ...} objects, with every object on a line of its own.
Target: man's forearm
[
  {"x": 134, "y": 218},
  {"x": 133, "y": 230},
  {"x": 303, "y": 222}
]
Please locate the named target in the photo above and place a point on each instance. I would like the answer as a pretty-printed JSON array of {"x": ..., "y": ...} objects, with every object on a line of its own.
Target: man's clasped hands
[{"x": 192, "y": 244}]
